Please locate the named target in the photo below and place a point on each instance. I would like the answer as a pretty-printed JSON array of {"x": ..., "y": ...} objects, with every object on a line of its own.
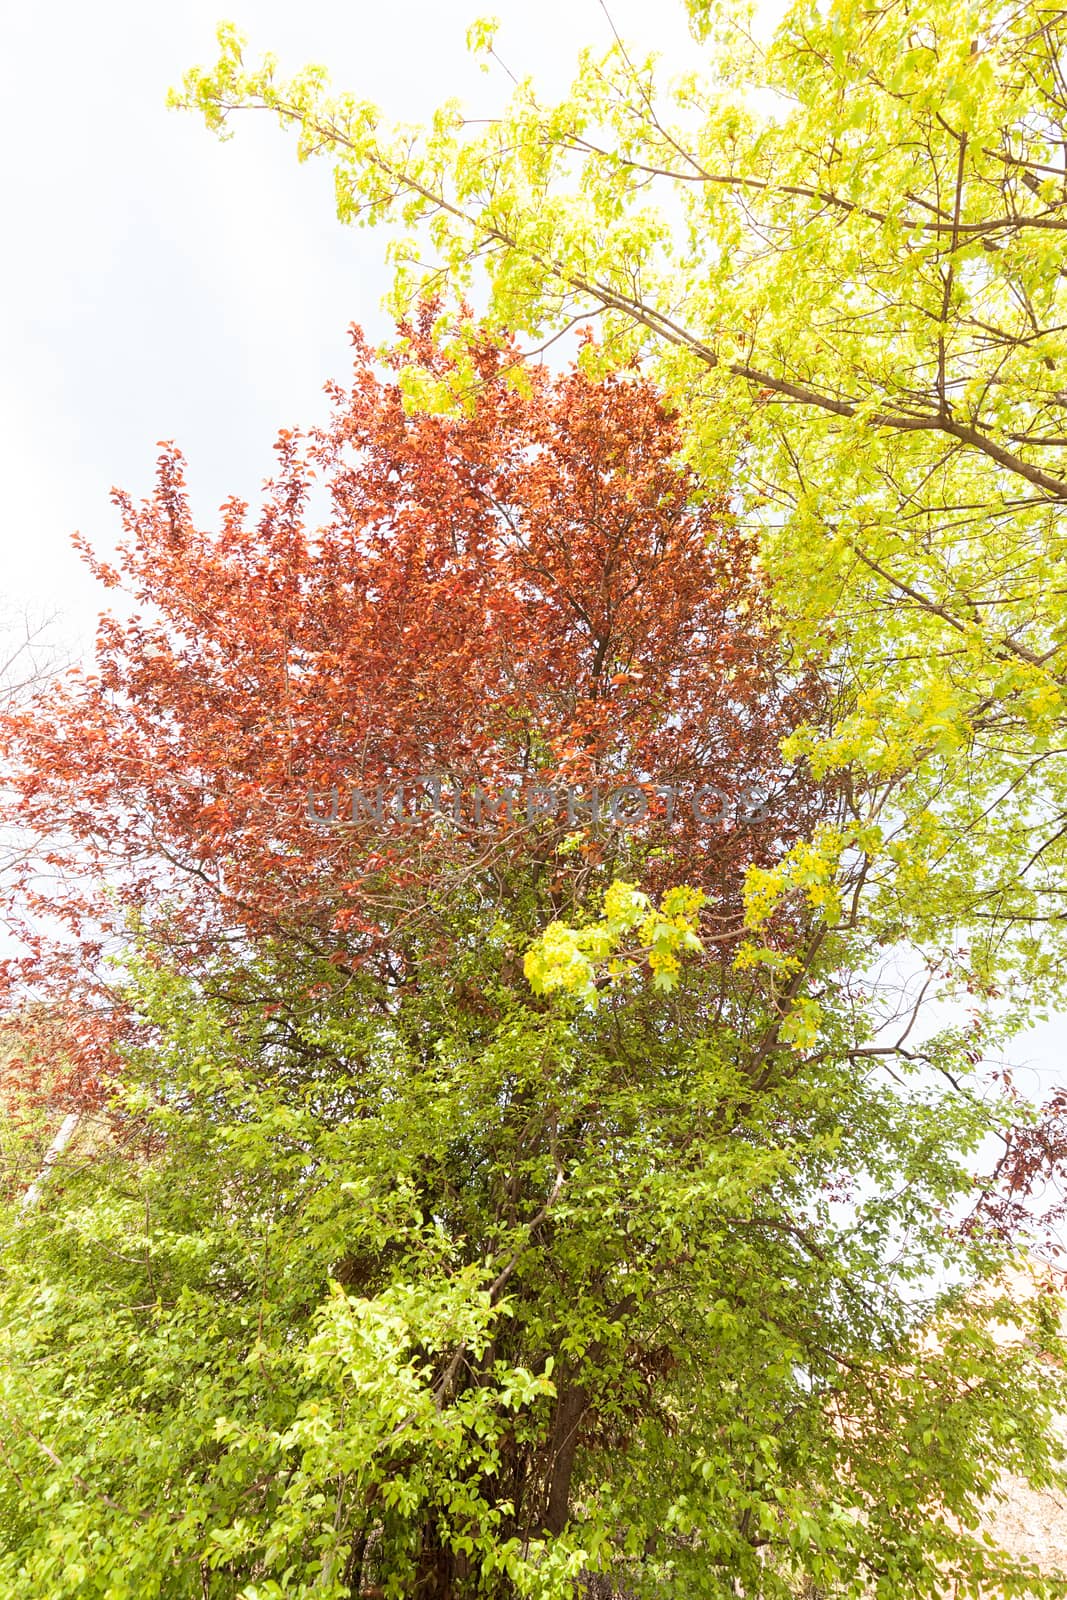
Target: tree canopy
[
  {"x": 484, "y": 1193},
  {"x": 456, "y": 1217},
  {"x": 840, "y": 251},
  {"x": 535, "y": 595}
]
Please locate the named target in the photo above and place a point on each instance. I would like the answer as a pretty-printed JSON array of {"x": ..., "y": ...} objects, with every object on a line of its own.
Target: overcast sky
[{"x": 158, "y": 284}]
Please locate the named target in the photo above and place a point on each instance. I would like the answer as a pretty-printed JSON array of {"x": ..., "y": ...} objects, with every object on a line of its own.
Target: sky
[{"x": 160, "y": 285}]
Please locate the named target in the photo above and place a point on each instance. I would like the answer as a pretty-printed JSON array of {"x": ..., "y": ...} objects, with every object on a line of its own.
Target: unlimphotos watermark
[{"x": 473, "y": 807}]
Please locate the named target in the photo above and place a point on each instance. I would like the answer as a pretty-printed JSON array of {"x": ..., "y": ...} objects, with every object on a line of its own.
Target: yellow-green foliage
[{"x": 631, "y": 929}]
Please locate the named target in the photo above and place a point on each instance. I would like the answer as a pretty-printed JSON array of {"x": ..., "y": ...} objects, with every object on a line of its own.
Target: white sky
[{"x": 157, "y": 284}]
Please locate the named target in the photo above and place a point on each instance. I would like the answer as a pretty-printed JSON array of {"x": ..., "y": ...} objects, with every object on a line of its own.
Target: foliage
[
  {"x": 452, "y": 1291},
  {"x": 534, "y": 590},
  {"x": 565, "y": 958},
  {"x": 404, "y": 1276},
  {"x": 842, "y": 249}
]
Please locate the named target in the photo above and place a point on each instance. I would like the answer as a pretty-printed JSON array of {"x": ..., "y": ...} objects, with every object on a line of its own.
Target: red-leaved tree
[{"x": 535, "y": 591}]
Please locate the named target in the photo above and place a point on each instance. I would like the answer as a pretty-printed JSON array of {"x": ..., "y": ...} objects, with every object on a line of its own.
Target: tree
[
  {"x": 449, "y": 1290},
  {"x": 428, "y": 1250},
  {"x": 32, "y": 1075},
  {"x": 841, "y": 251},
  {"x": 530, "y": 592}
]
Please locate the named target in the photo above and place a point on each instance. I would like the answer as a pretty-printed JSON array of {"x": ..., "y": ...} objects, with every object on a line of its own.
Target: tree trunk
[{"x": 570, "y": 1409}]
